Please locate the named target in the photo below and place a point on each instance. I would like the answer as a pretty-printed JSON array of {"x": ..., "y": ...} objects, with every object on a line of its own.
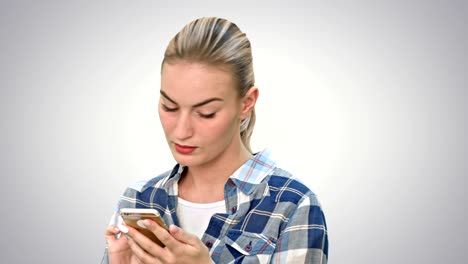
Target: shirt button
[
  {"x": 209, "y": 243},
  {"x": 248, "y": 248},
  {"x": 234, "y": 209}
]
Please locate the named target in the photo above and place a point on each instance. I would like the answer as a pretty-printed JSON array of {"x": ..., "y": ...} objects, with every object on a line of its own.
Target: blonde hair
[{"x": 219, "y": 42}]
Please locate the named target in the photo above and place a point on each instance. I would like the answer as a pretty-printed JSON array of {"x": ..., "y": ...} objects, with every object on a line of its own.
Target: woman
[{"x": 222, "y": 203}]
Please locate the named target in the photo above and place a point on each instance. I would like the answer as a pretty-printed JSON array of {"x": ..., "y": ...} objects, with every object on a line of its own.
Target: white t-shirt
[{"x": 194, "y": 217}]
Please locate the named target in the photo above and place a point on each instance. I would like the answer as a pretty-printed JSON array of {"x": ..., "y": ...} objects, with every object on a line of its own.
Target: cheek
[
  {"x": 219, "y": 130},
  {"x": 166, "y": 121}
]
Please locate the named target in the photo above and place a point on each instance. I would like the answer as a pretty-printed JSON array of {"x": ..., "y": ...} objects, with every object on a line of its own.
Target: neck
[{"x": 205, "y": 184}]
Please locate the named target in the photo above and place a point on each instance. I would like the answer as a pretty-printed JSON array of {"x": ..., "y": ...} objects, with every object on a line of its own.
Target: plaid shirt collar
[{"x": 251, "y": 173}]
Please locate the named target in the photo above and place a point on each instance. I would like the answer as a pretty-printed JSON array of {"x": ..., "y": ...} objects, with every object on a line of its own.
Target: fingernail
[
  {"x": 146, "y": 222},
  {"x": 174, "y": 229},
  {"x": 123, "y": 229}
]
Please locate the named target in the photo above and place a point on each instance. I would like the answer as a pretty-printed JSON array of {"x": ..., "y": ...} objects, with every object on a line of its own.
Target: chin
[{"x": 186, "y": 160}]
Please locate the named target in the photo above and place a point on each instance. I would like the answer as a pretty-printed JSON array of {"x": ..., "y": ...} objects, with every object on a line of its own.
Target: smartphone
[{"x": 134, "y": 217}]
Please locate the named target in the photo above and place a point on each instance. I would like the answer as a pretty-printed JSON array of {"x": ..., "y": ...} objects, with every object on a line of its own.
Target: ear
[{"x": 248, "y": 102}]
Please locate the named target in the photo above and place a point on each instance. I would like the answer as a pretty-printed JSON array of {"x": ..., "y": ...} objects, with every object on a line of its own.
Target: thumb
[{"x": 182, "y": 236}]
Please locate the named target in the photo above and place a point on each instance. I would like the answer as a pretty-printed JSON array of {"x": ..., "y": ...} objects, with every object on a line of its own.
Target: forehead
[{"x": 188, "y": 82}]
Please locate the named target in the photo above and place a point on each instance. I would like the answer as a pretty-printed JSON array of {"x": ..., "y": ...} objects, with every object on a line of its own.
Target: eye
[
  {"x": 207, "y": 116},
  {"x": 168, "y": 109}
]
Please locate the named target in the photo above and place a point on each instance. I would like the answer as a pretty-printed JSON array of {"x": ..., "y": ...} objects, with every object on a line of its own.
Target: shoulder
[
  {"x": 144, "y": 192},
  {"x": 285, "y": 187},
  {"x": 296, "y": 200}
]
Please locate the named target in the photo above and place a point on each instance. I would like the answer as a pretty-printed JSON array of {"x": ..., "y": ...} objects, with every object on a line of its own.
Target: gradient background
[{"x": 363, "y": 100}]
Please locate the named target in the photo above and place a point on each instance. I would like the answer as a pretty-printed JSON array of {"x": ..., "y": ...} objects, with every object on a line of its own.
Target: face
[{"x": 200, "y": 112}]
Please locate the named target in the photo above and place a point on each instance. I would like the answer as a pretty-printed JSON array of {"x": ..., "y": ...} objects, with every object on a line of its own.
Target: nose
[{"x": 183, "y": 128}]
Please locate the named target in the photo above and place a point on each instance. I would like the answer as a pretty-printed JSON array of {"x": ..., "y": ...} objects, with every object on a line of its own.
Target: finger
[
  {"x": 183, "y": 236},
  {"x": 144, "y": 242},
  {"x": 139, "y": 252},
  {"x": 114, "y": 241},
  {"x": 161, "y": 233},
  {"x": 122, "y": 228},
  {"x": 111, "y": 232}
]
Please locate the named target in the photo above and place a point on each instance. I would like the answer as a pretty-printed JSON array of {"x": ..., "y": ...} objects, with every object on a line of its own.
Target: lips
[{"x": 184, "y": 149}]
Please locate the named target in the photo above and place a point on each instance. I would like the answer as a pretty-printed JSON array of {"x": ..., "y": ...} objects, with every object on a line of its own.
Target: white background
[{"x": 365, "y": 101}]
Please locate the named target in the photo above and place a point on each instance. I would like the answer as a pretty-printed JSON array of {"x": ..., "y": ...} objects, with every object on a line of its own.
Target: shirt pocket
[{"x": 249, "y": 244}]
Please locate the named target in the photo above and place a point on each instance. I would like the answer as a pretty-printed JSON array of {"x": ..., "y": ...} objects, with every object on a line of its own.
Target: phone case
[{"x": 134, "y": 216}]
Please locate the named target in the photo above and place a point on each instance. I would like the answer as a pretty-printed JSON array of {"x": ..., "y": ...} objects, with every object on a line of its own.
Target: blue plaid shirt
[{"x": 272, "y": 217}]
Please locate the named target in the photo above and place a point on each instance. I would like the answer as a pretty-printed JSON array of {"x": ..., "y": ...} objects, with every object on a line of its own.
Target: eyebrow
[{"x": 204, "y": 102}]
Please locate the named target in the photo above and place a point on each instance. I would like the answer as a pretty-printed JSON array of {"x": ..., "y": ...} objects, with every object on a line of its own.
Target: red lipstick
[{"x": 184, "y": 149}]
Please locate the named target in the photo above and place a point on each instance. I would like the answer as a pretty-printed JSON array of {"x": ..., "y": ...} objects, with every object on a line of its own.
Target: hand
[
  {"x": 118, "y": 249},
  {"x": 181, "y": 247}
]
